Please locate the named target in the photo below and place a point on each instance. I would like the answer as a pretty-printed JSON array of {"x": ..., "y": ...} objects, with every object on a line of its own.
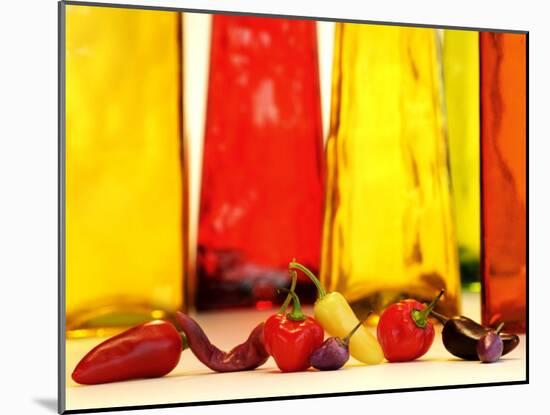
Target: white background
[{"x": 28, "y": 204}]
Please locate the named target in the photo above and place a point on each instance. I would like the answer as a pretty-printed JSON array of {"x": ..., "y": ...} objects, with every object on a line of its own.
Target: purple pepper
[
  {"x": 333, "y": 353},
  {"x": 490, "y": 346}
]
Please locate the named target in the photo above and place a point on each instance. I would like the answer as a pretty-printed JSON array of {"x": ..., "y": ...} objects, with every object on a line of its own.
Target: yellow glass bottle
[
  {"x": 388, "y": 230},
  {"x": 125, "y": 193},
  {"x": 461, "y": 77}
]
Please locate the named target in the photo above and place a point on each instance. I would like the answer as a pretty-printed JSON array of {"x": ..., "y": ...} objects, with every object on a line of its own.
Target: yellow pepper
[{"x": 333, "y": 312}]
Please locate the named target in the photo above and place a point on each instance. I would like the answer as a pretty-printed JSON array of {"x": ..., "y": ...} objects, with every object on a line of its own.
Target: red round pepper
[
  {"x": 149, "y": 350},
  {"x": 292, "y": 338},
  {"x": 404, "y": 332}
]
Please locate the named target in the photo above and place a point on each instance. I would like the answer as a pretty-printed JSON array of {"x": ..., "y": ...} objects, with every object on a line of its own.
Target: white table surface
[{"x": 190, "y": 381}]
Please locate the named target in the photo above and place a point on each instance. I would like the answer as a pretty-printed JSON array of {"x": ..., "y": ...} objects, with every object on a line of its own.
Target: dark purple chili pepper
[
  {"x": 461, "y": 334},
  {"x": 490, "y": 346},
  {"x": 246, "y": 356},
  {"x": 333, "y": 353}
]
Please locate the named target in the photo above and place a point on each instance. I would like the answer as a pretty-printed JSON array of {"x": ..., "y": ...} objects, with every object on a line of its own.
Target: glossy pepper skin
[
  {"x": 404, "y": 331},
  {"x": 333, "y": 353},
  {"x": 149, "y": 350},
  {"x": 292, "y": 338},
  {"x": 336, "y": 316},
  {"x": 461, "y": 336},
  {"x": 490, "y": 346}
]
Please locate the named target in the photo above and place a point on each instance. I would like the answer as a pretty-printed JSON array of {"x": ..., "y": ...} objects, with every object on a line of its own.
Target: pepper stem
[
  {"x": 442, "y": 319},
  {"x": 321, "y": 292},
  {"x": 420, "y": 317},
  {"x": 346, "y": 339},
  {"x": 296, "y": 314},
  {"x": 294, "y": 277},
  {"x": 499, "y": 328}
]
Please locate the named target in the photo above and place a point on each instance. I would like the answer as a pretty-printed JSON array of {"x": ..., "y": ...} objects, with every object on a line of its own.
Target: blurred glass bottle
[
  {"x": 388, "y": 230},
  {"x": 261, "y": 200},
  {"x": 125, "y": 194},
  {"x": 504, "y": 178},
  {"x": 461, "y": 78}
]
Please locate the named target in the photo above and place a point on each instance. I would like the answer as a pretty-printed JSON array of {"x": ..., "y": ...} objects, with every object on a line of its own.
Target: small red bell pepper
[
  {"x": 404, "y": 331},
  {"x": 292, "y": 338},
  {"x": 149, "y": 350}
]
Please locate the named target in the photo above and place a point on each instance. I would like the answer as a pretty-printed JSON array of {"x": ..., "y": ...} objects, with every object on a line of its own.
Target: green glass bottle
[{"x": 461, "y": 81}]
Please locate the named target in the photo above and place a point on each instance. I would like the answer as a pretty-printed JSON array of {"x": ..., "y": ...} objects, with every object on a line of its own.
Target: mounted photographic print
[{"x": 287, "y": 207}]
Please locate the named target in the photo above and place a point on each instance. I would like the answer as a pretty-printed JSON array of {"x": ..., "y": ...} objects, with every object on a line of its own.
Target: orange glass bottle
[{"x": 503, "y": 164}]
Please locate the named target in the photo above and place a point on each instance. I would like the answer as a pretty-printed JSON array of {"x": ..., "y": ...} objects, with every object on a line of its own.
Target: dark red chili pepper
[
  {"x": 246, "y": 356},
  {"x": 149, "y": 350},
  {"x": 404, "y": 331},
  {"x": 291, "y": 339}
]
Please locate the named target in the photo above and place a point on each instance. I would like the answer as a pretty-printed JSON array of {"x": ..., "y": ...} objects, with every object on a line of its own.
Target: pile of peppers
[{"x": 294, "y": 340}]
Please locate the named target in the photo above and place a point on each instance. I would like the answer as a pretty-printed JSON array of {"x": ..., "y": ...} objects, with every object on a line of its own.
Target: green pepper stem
[
  {"x": 296, "y": 314},
  {"x": 420, "y": 317},
  {"x": 346, "y": 339},
  {"x": 499, "y": 328},
  {"x": 320, "y": 289},
  {"x": 294, "y": 277}
]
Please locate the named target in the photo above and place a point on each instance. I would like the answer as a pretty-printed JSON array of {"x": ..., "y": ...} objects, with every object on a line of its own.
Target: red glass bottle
[
  {"x": 262, "y": 195},
  {"x": 503, "y": 166}
]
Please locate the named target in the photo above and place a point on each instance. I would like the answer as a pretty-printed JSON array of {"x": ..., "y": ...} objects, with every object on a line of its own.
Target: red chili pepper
[
  {"x": 404, "y": 331},
  {"x": 292, "y": 338},
  {"x": 149, "y": 350}
]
